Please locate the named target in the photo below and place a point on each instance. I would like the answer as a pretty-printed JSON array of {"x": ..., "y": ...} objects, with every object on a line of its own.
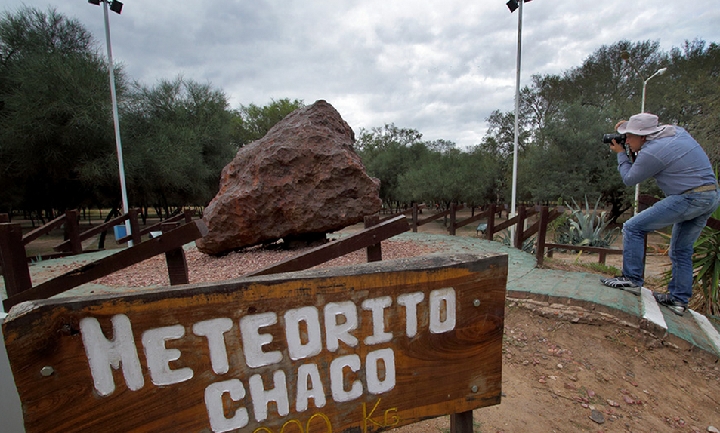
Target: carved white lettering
[
  {"x": 253, "y": 340},
  {"x": 261, "y": 396},
  {"x": 377, "y": 306},
  {"x": 214, "y": 330},
  {"x": 216, "y": 411},
  {"x": 104, "y": 354},
  {"x": 296, "y": 348},
  {"x": 410, "y": 301},
  {"x": 336, "y": 331},
  {"x": 159, "y": 357},
  {"x": 443, "y": 314}
]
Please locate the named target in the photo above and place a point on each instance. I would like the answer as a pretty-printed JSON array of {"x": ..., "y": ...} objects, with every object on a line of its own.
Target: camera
[{"x": 619, "y": 139}]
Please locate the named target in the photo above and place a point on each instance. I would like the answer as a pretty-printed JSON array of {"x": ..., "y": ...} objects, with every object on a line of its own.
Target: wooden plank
[
  {"x": 108, "y": 265},
  {"x": 87, "y": 234},
  {"x": 584, "y": 248},
  {"x": 437, "y": 216},
  {"x": 44, "y": 229},
  {"x": 340, "y": 247},
  {"x": 374, "y": 251},
  {"x": 14, "y": 264},
  {"x": 472, "y": 219},
  {"x": 418, "y": 338}
]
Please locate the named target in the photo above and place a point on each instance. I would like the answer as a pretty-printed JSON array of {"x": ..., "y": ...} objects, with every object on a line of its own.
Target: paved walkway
[{"x": 525, "y": 281}]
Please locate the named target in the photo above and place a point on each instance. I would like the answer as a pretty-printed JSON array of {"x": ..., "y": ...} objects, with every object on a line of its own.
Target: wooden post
[
  {"x": 72, "y": 230},
  {"x": 374, "y": 252},
  {"x": 461, "y": 422},
  {"x": 451, "y": 228},
  {"x": 542, "y": 231},
  {"x": 14, "y": 262},
  {"x": 134, "y": 226},
  {"x": 414, "y": 223},
  {"x": 520, "y": 230},
  {"x": 176, "y": 261},
  {"x": 188, "y": 215},
  {"x": 4, "y": 218},
  {"x": 490, "y": 231}
]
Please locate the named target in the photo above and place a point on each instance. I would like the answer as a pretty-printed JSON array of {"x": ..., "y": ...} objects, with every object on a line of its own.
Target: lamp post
[
  {"x": 626, "y": 56},
  {"x": 116, "y": 7},
  {"x": 513, "y": 5}
]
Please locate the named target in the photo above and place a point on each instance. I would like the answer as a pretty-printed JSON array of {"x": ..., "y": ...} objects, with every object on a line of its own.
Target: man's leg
[
  {"x": 666, "y": 212},
  {"x": 685, "y": 233}
]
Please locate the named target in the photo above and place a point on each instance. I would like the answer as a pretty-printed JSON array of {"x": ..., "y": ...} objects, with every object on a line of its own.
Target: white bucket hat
[{"x": 641, "y": 124}]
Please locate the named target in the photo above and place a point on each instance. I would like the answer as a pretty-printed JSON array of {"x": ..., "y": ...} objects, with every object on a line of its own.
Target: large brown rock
[{"x": 302, "y": 180}]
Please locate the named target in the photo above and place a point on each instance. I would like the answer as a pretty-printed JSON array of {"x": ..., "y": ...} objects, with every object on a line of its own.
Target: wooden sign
[{"x": 361, "y": 349}]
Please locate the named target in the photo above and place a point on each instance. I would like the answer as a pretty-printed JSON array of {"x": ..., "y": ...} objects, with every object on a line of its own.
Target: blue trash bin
[{"x": 120, "y": 232}]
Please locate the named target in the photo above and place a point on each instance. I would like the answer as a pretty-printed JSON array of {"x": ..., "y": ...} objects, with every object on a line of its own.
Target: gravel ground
[{"x": 203, "y": 268}]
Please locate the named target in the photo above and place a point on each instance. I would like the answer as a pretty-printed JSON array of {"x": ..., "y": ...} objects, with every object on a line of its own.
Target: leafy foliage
[
  {"x": 55, "y": 117},
  {"x": 251, "y": 122},
  {"x": 178, "y": 141},
  {"x": 706, "y": 263}
]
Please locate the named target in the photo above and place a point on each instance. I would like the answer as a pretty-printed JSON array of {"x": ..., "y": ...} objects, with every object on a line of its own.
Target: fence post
[
  {"x": 134, "y": 226},
  {"x": 374, "y": 252},
  {"x": 461, "y": 422},
  {"x": 414, "y": 217},
  {"x": 520, "y": 230},
  {"x": 188, "y": 215},
  {"x": 175, "y": 259},
  {"x": 4, "y": 218},
  {"x": 451, "y": 229},
  {"x": 490, "y": 231},
  {"x": 14, "y": 262},
  {"x": 542, "y": 231},
  {"x": 72, "y": 230}
]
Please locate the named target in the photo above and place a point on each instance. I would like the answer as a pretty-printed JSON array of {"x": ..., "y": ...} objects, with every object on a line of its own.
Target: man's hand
[{"x": 617, "y": 148}]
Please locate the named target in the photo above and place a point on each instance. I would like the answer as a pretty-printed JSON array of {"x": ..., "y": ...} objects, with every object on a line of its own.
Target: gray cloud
[{"x": 438, "y": 67}]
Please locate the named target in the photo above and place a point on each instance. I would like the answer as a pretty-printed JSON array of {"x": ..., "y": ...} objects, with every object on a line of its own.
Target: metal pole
[
  {"x": 116, "y": 120},
  {"x": 642, "y": 110},
  {"x": 517, "y": 119}
]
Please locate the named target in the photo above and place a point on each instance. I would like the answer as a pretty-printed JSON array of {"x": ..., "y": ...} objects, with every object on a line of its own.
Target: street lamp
[
  {"x": 626, "y": 56},
  {"x": 116, "y": 7},
  {"x": 516, "y": 5}
]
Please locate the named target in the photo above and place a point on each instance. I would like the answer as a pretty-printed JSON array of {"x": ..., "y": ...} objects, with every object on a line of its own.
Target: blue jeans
[{"x": 688, "y": 214}]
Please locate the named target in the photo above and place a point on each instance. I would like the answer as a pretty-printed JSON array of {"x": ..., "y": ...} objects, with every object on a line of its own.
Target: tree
[
  {"x": 690, "y": 91},
  {"x": 387, "y": 153},
  {"x": 178, "y": 140},
  {"x": 55, "y": 120},
  {"x": 251, "y": 122}
]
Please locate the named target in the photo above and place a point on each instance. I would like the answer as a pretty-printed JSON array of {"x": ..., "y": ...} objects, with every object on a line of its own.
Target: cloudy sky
[{"x": 440, "y": 66}]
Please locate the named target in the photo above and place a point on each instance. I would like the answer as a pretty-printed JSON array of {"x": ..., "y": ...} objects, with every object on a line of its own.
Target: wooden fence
[
  {"x": 175, "y": 234},
  {"x": 19, "y": 286}
]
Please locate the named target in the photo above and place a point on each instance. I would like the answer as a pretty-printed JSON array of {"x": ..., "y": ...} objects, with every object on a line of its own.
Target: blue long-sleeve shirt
[{"x": 677, "y": 162}]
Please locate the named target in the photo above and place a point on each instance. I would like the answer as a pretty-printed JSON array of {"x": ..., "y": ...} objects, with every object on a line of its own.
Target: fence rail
[{"x": 19, "y": 286}]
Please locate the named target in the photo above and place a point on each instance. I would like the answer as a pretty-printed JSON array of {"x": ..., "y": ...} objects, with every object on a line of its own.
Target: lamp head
[
  {"x": 116, "y": 6},
  {"x": 512, "y": 5},
  {"x": 94, "y": 2}
]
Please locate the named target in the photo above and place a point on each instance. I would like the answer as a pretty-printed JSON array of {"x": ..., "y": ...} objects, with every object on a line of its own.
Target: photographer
[{"x": 683, "y": 172}]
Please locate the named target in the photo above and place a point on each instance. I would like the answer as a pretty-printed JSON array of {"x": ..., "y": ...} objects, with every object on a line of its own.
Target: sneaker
[
  {"x": 667, "y": 300},
  {"x": 622, "y": 283}
]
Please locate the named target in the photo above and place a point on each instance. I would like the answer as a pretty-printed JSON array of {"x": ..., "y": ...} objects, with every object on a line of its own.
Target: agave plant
[
  {"x": 706, "y": 263},
  {"x": 586, "y": 227}
]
